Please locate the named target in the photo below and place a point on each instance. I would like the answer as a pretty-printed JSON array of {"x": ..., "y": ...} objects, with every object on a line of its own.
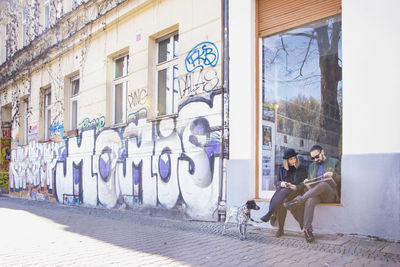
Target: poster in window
[
  {"x": 266, "y": 143},
  {"x": 267, "y": 173},
  {"x": 268, "y": 113}
]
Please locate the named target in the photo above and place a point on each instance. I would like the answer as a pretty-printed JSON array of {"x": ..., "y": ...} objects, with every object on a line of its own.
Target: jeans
[{"x": 320, "y": 193}]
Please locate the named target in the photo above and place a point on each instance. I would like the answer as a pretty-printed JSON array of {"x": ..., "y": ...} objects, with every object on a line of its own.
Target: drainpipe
[{"x": 224, "y": 146}]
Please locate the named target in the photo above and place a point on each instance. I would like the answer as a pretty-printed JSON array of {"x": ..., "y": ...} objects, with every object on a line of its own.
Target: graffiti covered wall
[
  {"x": 170, "y": 163},
  {"x": 5, "y": 161}
]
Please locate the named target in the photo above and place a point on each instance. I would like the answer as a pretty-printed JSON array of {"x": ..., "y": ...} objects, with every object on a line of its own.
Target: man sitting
[{"x": 324, "y": 191}]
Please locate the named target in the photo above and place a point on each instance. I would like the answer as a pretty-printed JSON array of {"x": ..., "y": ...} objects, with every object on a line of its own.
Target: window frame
[
  {"x": 170, "y": 64},
  {"x": 73, "y": 97},
  {"x": 123, "y": 80},
  {"x": 46, "y": 109},
  {"x": 4, "y": 44},
  {"x": 259, "y": 118},
  {"x": 47, "y": 15},
  {"x": 25, "y": 16},
  {"x": 25, "y": 121}
]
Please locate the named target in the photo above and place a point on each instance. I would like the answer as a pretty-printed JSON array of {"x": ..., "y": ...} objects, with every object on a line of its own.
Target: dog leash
[{"x": 255, "y": 221}]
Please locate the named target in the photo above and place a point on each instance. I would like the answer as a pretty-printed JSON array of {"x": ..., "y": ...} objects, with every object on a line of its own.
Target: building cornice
[{"x": 71, "y": 29}]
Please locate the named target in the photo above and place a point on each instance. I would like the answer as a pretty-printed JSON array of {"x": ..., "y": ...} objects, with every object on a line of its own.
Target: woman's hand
[
  {"x": 283, "y": 184},
  {"x": 292, "y": 186},
  {"x": 328, "y": 175}
]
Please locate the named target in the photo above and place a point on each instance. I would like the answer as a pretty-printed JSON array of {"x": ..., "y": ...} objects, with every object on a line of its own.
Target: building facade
[
  {"x": 114, "y": 103},
  {"x": 189, "y": 105},
  {"x": 318, "y": 72}
]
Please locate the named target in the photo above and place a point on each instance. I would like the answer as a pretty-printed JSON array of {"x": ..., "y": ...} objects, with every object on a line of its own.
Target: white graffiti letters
[{"x": 171, "y": 162}]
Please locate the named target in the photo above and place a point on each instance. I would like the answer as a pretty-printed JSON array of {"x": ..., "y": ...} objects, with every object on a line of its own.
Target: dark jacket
[{"x": 293, "y": 175}]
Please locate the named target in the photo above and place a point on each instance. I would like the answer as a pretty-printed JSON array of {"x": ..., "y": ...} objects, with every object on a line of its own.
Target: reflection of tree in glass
[
  {"x": 331, "y": 74},
  {"x": 304, "y": 112},
  {"x": 327, "y": 39}
]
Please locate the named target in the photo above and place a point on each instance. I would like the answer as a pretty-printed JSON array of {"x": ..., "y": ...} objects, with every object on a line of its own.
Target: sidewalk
[{"x": 48, "y": 234}]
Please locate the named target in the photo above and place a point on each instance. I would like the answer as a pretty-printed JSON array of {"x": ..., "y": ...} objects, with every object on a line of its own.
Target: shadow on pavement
[{"x": 136, "y": 230}]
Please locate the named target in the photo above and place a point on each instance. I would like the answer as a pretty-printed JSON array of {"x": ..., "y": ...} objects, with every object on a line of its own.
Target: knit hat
[{"x": 289, "y": 153}]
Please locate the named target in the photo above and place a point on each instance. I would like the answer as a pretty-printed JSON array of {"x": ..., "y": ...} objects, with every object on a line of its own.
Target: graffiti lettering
[
  {"x": 56, "y": 130},
  {"x": 6, "y": 132},
  {"x": 137, "y": 115},
  {"x": 3, "y": 179},
  {"x": 32, "y": 169},
  {"x": 202, "y": 55},
  {"x": 33, "y": 133},
  {"x": 194, "y": 83},
  {"x": 137, "y": 97},
  {"x": 167, "y": 163},
  {"x": 88, "y": 124}
]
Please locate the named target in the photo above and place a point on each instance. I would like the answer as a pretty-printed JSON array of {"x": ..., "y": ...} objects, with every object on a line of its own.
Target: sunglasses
[{"x": 316, "y": 156}]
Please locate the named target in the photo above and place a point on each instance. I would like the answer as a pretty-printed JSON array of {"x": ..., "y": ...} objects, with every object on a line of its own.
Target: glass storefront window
[{"x": 301, "y": 95}]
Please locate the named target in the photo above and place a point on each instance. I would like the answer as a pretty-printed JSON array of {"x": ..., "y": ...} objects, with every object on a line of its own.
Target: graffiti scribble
[
  {"x": 202, "y": 55},
  {"x": 97, "y": 123},
  {"x": 56, "y": 130}
]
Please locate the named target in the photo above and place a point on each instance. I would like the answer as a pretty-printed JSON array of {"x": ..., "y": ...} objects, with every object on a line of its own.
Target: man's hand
[
  {"x": 306, "y": 181},
  {"x": 328, "y": 175},
  {"x": 283, "y": 184}
]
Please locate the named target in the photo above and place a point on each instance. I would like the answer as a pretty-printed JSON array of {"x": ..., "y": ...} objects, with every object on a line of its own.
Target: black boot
[
  {"x": 309, "y": 236},
  {"x": 266, "y": 217},
  {"x": 279, "y": 233}
]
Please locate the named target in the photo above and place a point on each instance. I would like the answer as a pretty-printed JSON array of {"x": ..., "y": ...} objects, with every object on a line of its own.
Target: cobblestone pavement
[{"x": 34, "y": 233}]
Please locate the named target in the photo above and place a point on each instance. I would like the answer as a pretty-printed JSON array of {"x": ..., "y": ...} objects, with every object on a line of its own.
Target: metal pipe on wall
[{"x": 224, "y": 146}]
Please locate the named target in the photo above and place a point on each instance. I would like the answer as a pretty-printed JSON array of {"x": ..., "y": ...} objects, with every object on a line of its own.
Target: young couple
[{"x": 290, "y": 184}]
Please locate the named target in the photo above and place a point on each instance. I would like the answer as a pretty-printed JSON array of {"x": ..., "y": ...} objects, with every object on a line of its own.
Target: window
[
  {"x": 7, "y": 41},
  {"x": 47, "y": 113},
  {"x": 76, "y": 3},
  {"x": 24, "y": 122},
  {"x": 301, "y": 93},
  {"x": 167, "y": 74},
  {"x": 119, "y": 89},
  {"x": 73, "y": 103},
  {"x": 25, "y": 15},
  {"x": 4, "y": 44},
  {"x": 47, "y": 15}
]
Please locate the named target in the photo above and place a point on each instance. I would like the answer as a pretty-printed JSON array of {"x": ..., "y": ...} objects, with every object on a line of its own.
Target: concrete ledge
[
  {"x": 321, "y": 204},
  {"x": 324, "y": 214}
]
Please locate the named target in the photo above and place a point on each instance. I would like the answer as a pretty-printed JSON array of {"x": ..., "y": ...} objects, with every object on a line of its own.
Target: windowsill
[
  {"x": 72, "y": 133},
  {"x": 118, "y": 125},
  {"x": 322, "y": 204},
  {"x": 163, "y": 117}
]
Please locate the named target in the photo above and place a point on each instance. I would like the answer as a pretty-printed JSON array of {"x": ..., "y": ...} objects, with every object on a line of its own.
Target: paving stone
[
  {"x": 96, "y": 236},
  {"x": 392, "y": 249}
]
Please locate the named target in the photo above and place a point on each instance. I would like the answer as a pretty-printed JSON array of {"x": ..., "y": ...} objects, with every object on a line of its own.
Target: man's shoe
[
  {"x": 265, "y": 218},
  {"x": 291, "y": 204},
  {"x": 309, "y": 236},
  {"x": 279, "y": 233}
]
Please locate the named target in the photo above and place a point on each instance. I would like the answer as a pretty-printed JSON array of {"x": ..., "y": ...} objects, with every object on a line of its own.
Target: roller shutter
[{"x": 279, "y": 15}]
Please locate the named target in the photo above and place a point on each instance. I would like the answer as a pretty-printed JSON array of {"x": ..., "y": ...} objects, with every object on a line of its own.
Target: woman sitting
[{"x": 290, "y": 175}]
